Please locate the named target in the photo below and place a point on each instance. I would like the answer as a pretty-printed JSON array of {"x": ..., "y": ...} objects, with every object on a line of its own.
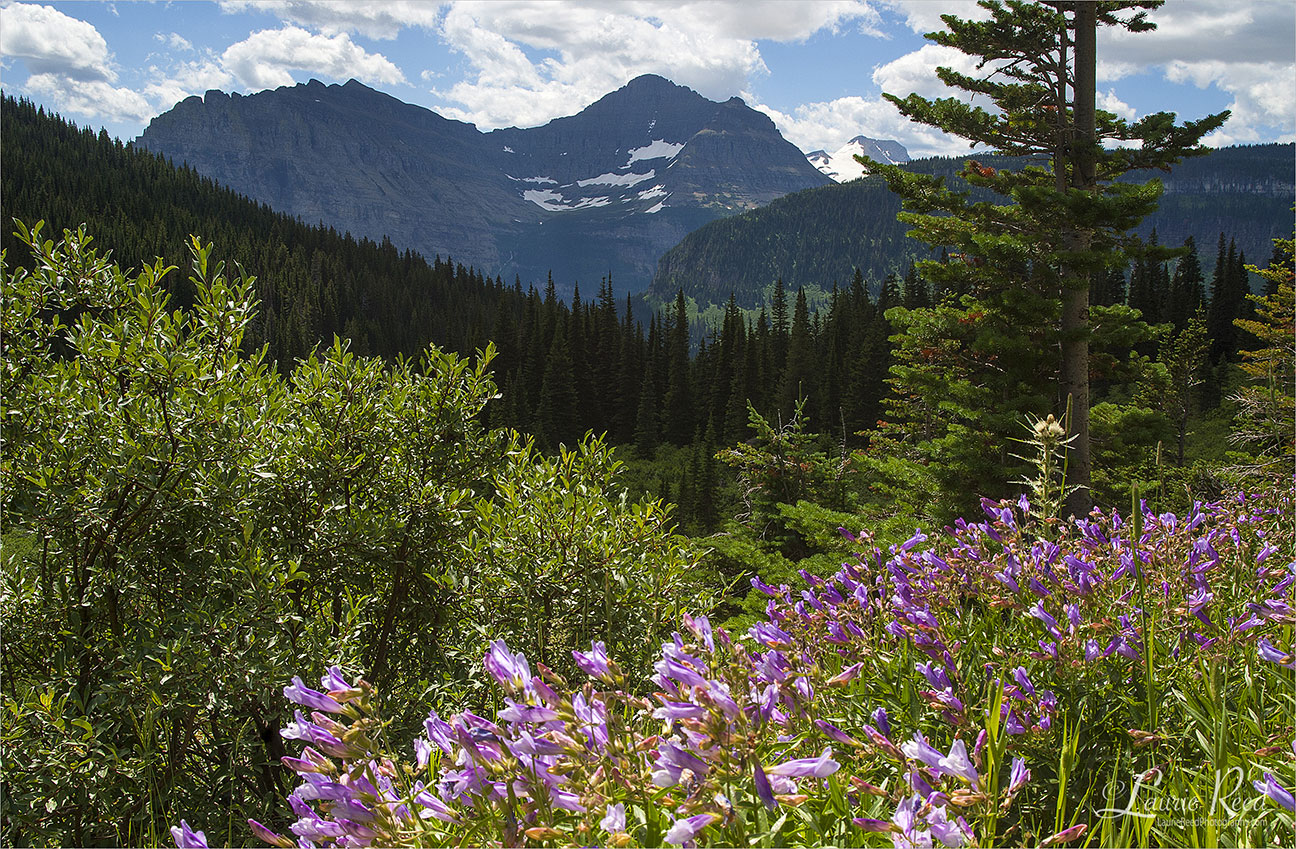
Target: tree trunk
[{"x": 1075, "y": 284}]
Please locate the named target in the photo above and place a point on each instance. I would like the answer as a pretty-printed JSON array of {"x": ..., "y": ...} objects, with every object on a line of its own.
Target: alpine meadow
[{"x": 628, "y": 473}]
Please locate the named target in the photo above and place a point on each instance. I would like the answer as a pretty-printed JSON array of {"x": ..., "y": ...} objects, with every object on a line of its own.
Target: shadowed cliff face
[{"x": 605, "y": 191}]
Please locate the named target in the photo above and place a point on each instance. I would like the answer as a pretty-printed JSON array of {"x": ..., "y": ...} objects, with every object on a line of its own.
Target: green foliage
[
  {"x": 183, "y": 525},
  {"x": 1266, "y": 407},
  {"x": 561, "y": 556},
  {"x": 1022, "y": 262}
]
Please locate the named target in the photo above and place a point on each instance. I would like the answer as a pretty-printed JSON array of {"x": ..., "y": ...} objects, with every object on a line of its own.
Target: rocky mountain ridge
[{"x": 604, "y": 191}]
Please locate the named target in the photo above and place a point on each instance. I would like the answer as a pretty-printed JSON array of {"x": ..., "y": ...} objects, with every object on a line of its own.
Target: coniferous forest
[{"x": 993, "y": 548}]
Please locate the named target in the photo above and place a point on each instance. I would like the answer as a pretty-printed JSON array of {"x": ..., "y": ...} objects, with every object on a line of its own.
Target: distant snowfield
[
  {"x": 551, "y": 201},
  {"x": 657, "y": 149},
  {"x": 616, "y": 179}
]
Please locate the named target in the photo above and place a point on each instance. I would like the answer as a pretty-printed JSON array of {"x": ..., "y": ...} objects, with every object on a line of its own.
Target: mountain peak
[
  {"x": 841, "y": 165},
  {"x": 646, "y": 80}
]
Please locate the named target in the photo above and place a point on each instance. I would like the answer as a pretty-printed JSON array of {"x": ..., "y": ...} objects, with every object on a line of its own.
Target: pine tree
[
  {"x": 779, "y": 328},
  {"x": 1187, "y": 291},
  {"x": 1266, "y": 419},
  {"x": 678, "y": 425},
  {"x": 801, "y": 372},
  {"x": 556, "y": 414},
  {"x": 1060, "y": 225}
]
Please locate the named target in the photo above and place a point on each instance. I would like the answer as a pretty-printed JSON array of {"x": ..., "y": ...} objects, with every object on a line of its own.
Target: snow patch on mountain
[
  {"x": 657, "y": 207},
  {"x": 616, "y": 179},
  {"x": 657, "y": 149},
  {"x": 841, "y": 166},
  {"x": 657, "y": 191},
  {"x": 551, "y": 201}
]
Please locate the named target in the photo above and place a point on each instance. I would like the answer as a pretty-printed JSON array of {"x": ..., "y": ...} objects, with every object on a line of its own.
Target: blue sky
[{"x": 817, "y": 67}]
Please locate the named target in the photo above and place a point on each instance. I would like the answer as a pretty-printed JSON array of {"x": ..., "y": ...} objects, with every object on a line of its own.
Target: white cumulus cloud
[
  {"x": 98, "y": 99},
  {"x": 381, "y": 19},
  {"x": 174, "y": 40},
  {"x": 266, "y": 58},
  {"x": 533, "y": 62},
  {"x": 827, "y": 125},
  {"x": 52, "y": 43},
  {"x": 1109, "y": 102}
]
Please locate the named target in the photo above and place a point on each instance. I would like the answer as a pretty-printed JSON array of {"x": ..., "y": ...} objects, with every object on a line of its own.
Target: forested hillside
[
  {"x": 817, "y": 237},
  {"x": 312, "y": 281}
]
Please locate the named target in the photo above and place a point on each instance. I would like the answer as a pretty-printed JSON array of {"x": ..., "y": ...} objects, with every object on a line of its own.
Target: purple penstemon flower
[
  {"x": 615, "y": 819},
  {"x": 917, "y": 538},
  {"x": 935, "y": 675},
  {"x": 1037, "y": 610},
  {"x": 769, "y": 634},
  {"x": 919, "y": 749},
  {"x": 511, "y": 670},
  {"x": 267, "y": 835},
  {"x": 957, "y": 763},
  {"x": 763, "y": 789},
  {"x": 310, "y": 825},
  {"x": 701, "y": 628},
  {"x": 672, "y": 711},
  {"x": 681, "y": 670},
  {"x": 433, "y": 806},
  {"x": 1019, "y": 776},
  {"x": 516, "y": 713},
  {"x": 833, "y": 732},
  {"x": 186, "y": 838},
  {"x": 316, "y": 786},
  {"x": 1268, "y": 651},
  {"x": 820, "y": 767},
  {"x": 717, "y": 693},
  {"x": 882, "y": 742},
  {"x": 671, "y": 763},
  {"x": 595, "y": 663},
  {"x": 950, "y": 834},
  {"x": 684, "y": 830},
  {"x": 309, "y": 732},
  {"x": 1023, "y": 680},
  {"x": 883, "y": 722},
  {"x": 1008, "y": 581},
  {"x": 306, "y": 697}
]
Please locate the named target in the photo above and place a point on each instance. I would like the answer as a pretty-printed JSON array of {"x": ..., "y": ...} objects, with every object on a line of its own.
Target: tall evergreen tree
[
  {"x": 779, "y": 328},
  {"x": 557, "y": 412},
  {"x": 1059, "y": 225},
  {"x": 799, "y": 375},
  {"x": 1187, "y": 287},
  {"x": 678, "y": 425}
]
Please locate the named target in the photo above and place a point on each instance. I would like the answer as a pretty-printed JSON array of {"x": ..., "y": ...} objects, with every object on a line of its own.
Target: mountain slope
[
  {"x": 312, "y": 282},
  {"x": 604, "y": 191},
  {"x": 817, "y": 237}
]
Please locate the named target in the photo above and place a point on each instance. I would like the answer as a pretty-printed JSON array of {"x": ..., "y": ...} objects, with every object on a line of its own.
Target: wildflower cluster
[{"x": 906, "y": 698}]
